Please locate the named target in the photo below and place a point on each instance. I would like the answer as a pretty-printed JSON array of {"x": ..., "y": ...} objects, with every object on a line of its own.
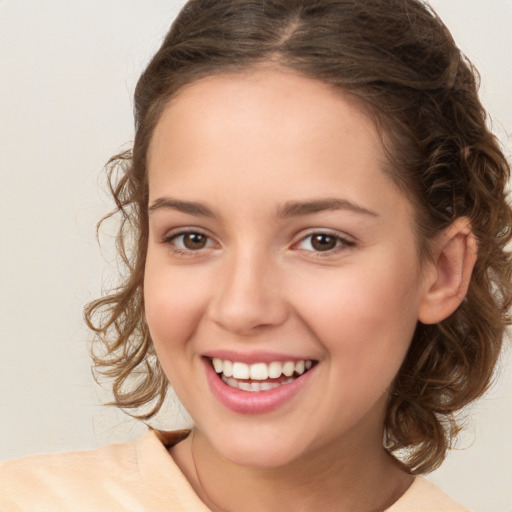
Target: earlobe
[{"x": 454, "y": 256}]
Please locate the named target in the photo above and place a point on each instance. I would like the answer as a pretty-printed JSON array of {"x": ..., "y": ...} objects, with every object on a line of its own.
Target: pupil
[
  {"x": 323, "y": 242},
  {"x": 194, "y": 241}
]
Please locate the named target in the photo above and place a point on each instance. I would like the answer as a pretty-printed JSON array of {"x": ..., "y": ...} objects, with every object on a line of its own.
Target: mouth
[{"x": 260, "y": 376}]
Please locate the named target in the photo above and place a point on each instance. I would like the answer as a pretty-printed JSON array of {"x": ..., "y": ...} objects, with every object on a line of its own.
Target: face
[{"x": 283, "y": 281}]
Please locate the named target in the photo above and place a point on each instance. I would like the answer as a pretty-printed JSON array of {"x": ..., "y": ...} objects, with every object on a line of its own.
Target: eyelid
[
  {"x": 343, "y": 241},
  {"x": 173, "y": 234}
]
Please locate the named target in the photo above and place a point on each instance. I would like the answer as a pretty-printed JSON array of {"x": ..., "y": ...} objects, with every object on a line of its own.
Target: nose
[{"x": 249, "y": 297}]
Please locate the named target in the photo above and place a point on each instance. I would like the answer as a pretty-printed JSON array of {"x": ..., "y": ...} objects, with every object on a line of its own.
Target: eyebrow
[
  {"x": 288, "y": 209},
  {"x": 297, "y": 208},
  {"x": 190, "y": 207}
]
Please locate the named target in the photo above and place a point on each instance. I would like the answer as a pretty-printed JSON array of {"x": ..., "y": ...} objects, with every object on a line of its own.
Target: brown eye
[
  {"x": 189, "y": 241},
  {"x": 194, "y": 241},
  {"x": 323, "y": 242}
]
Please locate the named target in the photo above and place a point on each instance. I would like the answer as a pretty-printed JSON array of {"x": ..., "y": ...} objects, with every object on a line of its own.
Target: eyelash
[
  {"x": 170, "y": 238},
  {"x": 342, "y": 243}
]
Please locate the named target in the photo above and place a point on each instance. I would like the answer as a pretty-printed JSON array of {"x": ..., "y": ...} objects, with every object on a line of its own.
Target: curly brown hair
[{"x": 400, "y": 61}]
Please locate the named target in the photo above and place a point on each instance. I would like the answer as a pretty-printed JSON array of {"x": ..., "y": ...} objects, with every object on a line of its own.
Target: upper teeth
[{"x": 260, "y": 371}]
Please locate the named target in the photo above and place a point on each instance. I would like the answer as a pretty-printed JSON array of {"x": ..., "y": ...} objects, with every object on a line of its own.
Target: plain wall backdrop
[{"x": 68, "y": 70}]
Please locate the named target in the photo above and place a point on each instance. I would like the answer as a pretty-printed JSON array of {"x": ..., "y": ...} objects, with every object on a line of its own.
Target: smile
[{"x": 259, "y": 376}]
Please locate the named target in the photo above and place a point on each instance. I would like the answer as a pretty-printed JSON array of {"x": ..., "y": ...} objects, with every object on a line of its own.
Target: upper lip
[{"x": 254, "y": 357}]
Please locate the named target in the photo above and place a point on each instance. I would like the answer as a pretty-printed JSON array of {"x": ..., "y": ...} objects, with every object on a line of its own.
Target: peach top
[{"x": 136, "y": 477}]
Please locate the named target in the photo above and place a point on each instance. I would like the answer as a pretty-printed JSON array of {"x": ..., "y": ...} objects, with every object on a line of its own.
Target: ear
[{"x": 447, "y": 279}]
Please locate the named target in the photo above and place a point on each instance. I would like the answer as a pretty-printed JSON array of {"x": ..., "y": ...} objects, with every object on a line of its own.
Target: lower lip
[{"x": 254, "y": 402}]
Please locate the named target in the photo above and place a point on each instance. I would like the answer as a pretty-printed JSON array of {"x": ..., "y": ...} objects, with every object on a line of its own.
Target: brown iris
[
  {"x": 194, "y": 241},
  {"x": 323, "y": 242}
]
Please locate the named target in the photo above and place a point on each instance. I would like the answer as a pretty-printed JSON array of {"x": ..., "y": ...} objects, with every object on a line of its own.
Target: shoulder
[
  {"x": 424, "y": 496},
  {"x": 43, "y": 469},
  {"x": 40, "y": 481},
  {"x": 130, "y": 476}
]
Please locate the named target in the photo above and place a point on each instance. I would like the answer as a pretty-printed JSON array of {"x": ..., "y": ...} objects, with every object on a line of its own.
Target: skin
[{"x": 244, "y": 146}]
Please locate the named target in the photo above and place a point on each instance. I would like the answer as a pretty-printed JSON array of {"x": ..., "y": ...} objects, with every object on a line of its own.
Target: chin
[{"x": 260, "y": 449}]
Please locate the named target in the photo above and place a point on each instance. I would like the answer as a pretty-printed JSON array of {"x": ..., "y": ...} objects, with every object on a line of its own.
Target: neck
[{"x": 344, "y": 476}]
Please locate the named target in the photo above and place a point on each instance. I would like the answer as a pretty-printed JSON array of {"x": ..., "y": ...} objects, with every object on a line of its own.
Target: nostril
[{"x": 248, "y": 299}]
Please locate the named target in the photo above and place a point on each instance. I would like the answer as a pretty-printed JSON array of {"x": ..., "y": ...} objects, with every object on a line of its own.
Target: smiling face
[{"x": 282, "y": 282}]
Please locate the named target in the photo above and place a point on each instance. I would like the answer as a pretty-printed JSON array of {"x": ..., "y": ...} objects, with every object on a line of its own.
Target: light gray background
[{"x": 68, "y": 69}]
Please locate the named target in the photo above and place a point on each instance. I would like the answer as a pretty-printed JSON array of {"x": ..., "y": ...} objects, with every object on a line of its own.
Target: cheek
[
  {"x": 365, "y": 316},
  {"x": 173, "y": 305},
  {"x": 174, "y": 302}
]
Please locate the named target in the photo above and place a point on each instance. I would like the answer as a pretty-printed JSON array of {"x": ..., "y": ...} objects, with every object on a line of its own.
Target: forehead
[
  {"x": 266, "y": 112},
  {"x": 253, "y": 140}
]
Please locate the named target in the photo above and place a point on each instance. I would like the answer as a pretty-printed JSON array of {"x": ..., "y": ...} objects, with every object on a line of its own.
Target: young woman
[{"x": 314, "y": 220}]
